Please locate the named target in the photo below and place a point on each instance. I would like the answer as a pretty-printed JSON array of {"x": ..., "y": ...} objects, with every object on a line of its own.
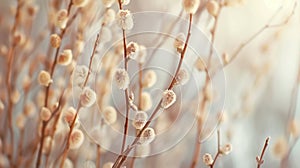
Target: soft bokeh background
[{"x": 259, "y": 83}]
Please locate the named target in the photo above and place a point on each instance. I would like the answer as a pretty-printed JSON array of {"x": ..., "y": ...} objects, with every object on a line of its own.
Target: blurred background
[{"x": 259, "y": 88}]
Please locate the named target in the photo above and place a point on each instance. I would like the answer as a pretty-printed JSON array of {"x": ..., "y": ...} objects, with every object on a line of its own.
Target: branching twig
[
  {"x": 219, "y": 150},
  {"x": 67, "y": 148},
  {"x": 259, "y": 159},
  {"x": 255, "y": 35},
  {"x": 44, "y": 124},
  {"x": 122, "y": 157}
]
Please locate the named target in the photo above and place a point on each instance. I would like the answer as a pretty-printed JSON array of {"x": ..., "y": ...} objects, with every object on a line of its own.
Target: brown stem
[
  {"x": 52, "y": 136},
  {"x": 213, "y": 35},
  {"x": 199, "y": 124},
  {"x": 259, "y": 159},
  {"x": 203, "y": 103},
  {"x": 255, "y": 35},
  {"x": 122, "y": 157},
  {"x": 219, "y": 150},
  {"x": 20, "y": 146},
  {"x": 67, "y": 148},
  {"x": 98, "y": 160},
  {"x": 10, "y": 62},
  {"x": 126, "y": 92},
  {"x": 44, "y": 124},
  {"x": 139, "y": 107}
]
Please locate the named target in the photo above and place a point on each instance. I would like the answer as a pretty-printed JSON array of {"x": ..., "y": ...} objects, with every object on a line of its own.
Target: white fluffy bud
[
  {"x": 44, "y": 78},
  {"x": 200, "y": 65},
  {"x": 149, "y": 79},
  {"x": 140, "y": 119},
  {"x": 191, "y": 6},
  {"x": 61, "y": 19},
  {"x": 124, "y": 19},
  {"x": 213, "y": 7},
  {"x": 146, "y": 101},
  {"x": 121, "y": 79},
  {"x": 79, "y": 75},
  {"x": 142, "y": 54},
  {"x": 69, "y": 116},
  {"x": 109, "y": 115},
  {"x": 65, "y": 58},
  {"x": 88, "y": 97},
  {"x": 179, "y": 42},
  {"x": 226, "y": 149},
  {"x": 207, "y": 159},
  {"x": 148, "y": 135},
  {"x": 76, "y": 139},
  {"x": 108, "y": 17},
  {"x": 182, "y": 77},
  {"x": 132, "y": 50},
  {"x": 55, "y": 40},
  {"x": 45, "y": 114},
  {"x": 168, "y": 99}
]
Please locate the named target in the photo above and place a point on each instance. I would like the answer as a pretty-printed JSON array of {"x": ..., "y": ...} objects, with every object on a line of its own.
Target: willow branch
[{"x": 122, "y": 157}]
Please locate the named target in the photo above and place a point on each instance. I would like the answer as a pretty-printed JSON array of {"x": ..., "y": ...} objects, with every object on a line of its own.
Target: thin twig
[
  {"x": 44, "y": 123},
  {"x": 67, "y": 148},
  {"x": 126, "y": 92},
  {"x": 259, "y": 159},
  {"x": 10, "y": 61},
  {"x": 213, "y": 35},
  {"x": 219, "y": 150},
  {"x": 255, "y": 35},
  {"x": 205, "y": 99},
  {"x": 122, "y": 157}
]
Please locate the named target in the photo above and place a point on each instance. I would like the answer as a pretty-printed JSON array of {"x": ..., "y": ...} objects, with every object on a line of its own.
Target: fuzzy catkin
[
  {"x": 45, "y": 114},
  {"x": 168, "y": 99},
  {"x": 132, "y": 50},
  {"x": 148, "y": 135},
  {"x": 124, "y": 19},
  {"x": 146, "y": 101},
  {"x": 61, "y": 19},
  {"x": 149, "y": 78},
  {"x": 76, "y": 139},
  {"x": 226, "y": 149},
  {"x": 141, "y": 57},
  {"x": 179, "y": 42},
  {"x": 88, "y": 97},
  {"x": 213, "y": 7},
  {"x": 108, "y": 17},
  {"x": 140, "y": 119},
  {"x": 121, "y": 79},
  {"x": 109, "y": 115},
  {"x": 69, "y": 115},
  {"x": 191, "y": 6},
  {"x": 65, "y": 58},
  {"x": 207, "y": 159},
  {"x": 44, "y": 78},
  {"x": 200, "y": 64},
  {"x": 79, "y": 75},
  {"x": 182, "y": 77},
  {"x": 55, "y": 40}
]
